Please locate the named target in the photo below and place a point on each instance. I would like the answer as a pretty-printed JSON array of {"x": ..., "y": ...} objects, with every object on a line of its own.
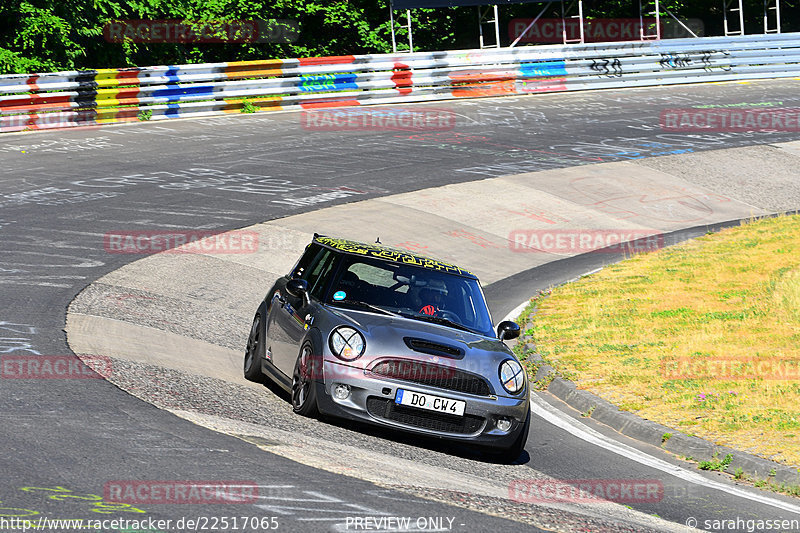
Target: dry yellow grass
[{"x": 695, "y": 336}]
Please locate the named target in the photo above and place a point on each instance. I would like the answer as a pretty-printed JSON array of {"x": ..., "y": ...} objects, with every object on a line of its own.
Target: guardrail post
[
  {"x": 579, "y": 16},
  {"x": 728, "y": 9},
  {"x": 482, "y": 20},
  {"x": 776, "y": 9},
  {"x": 410, "y": 34},
  {"x": 656, "y": 11},
  {"x": 391, "y": 23},
  {"x": 407, "y": 26}
]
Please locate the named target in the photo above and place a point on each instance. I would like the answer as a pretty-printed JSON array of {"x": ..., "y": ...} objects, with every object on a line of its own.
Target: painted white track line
[{"x": 551, "y": 414}]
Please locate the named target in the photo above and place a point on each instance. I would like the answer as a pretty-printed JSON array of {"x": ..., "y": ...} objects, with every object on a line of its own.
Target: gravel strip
[
  {"x": 537, "y": 515},
  {"x": 181, "y": 391},
  {"x": 197, "y": 320},
  {"x": 176, "y": 390}
]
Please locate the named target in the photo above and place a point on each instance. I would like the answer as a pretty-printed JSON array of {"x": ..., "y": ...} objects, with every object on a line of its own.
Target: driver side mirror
[
  {"x": 507, "y": 330},
  {"x": 298, "y": 288}
]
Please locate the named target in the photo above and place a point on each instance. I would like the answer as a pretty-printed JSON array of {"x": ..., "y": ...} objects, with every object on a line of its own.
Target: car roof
[{"x": 394, "y": 255}]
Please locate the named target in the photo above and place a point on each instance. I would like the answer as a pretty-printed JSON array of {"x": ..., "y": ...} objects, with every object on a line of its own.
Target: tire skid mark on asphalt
[
  {"x": 309, "y": 501},
  {"x": 16, "y": 337}
]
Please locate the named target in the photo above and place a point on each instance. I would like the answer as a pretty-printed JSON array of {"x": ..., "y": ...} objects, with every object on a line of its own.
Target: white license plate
[{"x": 430, "y": 402}]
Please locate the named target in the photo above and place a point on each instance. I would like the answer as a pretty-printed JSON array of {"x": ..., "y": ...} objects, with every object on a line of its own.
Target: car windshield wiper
[
  {"x": 368, "y": 306},
  {"x": 440, "y": 320}
]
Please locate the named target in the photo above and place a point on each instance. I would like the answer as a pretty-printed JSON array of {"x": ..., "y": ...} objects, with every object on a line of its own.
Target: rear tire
[
  {"x": 254, "y": 353},
  {"x": 304, "y": 386}
]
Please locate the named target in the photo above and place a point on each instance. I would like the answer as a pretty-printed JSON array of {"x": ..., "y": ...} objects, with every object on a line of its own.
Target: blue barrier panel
[{"x": 543, "y": 68}]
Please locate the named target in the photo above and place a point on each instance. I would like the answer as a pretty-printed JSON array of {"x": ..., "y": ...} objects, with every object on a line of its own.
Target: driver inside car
[{"x": 434, "y": 297}]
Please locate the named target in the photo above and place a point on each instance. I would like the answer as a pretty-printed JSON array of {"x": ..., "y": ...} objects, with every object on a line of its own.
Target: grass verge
[{"x": 703, "y": 336}]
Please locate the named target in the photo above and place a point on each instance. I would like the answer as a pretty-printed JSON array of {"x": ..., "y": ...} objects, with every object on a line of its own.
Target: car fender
[{"x": 314, "y": 336}]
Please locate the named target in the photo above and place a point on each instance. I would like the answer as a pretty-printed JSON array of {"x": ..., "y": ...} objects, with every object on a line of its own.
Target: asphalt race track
[{"x": 64, "y": 441}]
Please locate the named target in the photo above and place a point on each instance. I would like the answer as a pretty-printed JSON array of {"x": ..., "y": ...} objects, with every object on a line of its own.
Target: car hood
[{"x": 386, "y": 337}]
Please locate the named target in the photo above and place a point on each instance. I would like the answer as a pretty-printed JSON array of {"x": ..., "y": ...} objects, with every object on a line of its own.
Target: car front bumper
[{"x": 371, "y": 400}]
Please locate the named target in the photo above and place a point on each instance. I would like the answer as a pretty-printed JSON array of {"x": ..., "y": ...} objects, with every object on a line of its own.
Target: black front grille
[
  {"x": 386, "y": 408},
  {"x": 431, "y": 375},
  {"x": 434, "y": 348}
]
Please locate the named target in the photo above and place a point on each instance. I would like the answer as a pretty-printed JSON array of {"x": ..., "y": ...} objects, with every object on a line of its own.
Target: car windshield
[{"x": 412, "y": 292}]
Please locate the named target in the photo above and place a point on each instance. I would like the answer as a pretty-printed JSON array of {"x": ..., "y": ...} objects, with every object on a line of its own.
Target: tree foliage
[{"x": 50, "y": 35}]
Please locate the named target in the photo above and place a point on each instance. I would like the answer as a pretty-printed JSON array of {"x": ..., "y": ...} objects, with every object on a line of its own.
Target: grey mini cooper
[{"x": 384, "y": 336}]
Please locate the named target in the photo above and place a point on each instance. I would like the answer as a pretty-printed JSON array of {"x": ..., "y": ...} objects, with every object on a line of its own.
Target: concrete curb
[{"x": 653, "y": 433}]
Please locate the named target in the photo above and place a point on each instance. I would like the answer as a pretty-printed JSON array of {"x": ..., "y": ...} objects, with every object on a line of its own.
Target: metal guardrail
[{"x": 91, "y": 97}]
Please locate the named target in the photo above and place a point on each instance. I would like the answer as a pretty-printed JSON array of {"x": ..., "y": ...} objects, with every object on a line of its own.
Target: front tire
[
  {"x": 254, "y": 353},
  {"x": 304, "y": 387},
  {"x": 513, "y": 452}
]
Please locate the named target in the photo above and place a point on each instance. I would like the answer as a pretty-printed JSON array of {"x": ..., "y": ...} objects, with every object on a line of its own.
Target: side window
[
  {"x": 300, "y": 270},
  {"x": 320, "y": 272}
]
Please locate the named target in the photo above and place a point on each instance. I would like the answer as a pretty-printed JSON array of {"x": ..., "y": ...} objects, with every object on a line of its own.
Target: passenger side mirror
[
  {"x": 298, "y": 288},
  {"x": 507, "y": 330}
]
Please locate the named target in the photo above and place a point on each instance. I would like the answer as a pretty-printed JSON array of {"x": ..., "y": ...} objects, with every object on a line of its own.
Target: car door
[
  {"x": 278, "y": 343},
  {"x": 289, "y": 315}
]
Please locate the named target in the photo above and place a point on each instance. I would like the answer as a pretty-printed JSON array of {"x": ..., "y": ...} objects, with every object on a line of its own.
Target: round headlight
[
  {"x": 512, "y": 376},
  {"x": 347, "y": 343}
]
